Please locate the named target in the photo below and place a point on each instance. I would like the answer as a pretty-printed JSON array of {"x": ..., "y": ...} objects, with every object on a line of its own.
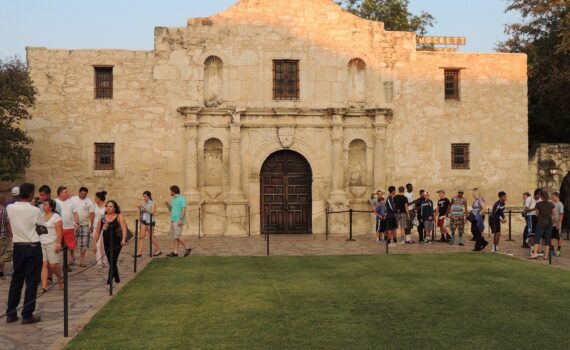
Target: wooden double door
[{"x": 286, "y": 180}]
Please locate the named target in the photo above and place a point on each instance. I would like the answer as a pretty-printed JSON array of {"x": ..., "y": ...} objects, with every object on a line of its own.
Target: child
[
  {"x": 380, "y": 212},
  {"x": 496, "y": 217},
  {"x": 558, "y": 219}
]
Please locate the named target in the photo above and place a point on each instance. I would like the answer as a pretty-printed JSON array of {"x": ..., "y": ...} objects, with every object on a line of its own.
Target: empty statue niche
[
  {"x": 356, "y": 80},
  {"x": 213, "y": 81}
]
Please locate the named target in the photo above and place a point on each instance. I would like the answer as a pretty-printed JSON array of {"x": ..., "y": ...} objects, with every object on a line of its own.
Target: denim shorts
[{"x": 543, "y": 232}]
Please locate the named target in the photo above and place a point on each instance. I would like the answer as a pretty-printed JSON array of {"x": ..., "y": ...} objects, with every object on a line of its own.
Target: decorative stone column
[
  {"x": 190, "y": 189},
  {"x": 236, "y": 204},
  {"x": 338, "y": 198},
  {"x": 380, "y": 126}
]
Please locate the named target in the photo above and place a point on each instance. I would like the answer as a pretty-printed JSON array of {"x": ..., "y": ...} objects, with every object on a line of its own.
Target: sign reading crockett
[{"x": 442, "y": 40}]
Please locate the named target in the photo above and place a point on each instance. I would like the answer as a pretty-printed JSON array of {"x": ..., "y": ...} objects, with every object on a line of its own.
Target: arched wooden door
[
  {"x": 565, "y": 198},
  {"x": 286, "y": 180}
]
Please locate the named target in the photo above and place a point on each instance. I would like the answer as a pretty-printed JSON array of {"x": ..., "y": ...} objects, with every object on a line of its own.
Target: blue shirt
[
  {"x": 380, "y": 210},
  {"x": 178, "y": 204}
]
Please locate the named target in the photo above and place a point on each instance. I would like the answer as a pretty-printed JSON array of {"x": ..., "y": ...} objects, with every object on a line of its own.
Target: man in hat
[
  {"x": 457, "y": 213},
  {"x": 441, "y": 212},
  {"x": 15, "y": 196}
]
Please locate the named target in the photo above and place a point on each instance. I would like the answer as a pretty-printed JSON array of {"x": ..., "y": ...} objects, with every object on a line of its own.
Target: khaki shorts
[
  {"x": 175, "y": 230},
  {"x": 49, "y": 254},
  {"x": 5, "y": 250}
]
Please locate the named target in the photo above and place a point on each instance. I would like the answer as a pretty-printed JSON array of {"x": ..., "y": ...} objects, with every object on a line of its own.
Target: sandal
[
  {"x": 42, "y": 291},
  {"x": 60, "y": 283},
  {"x": 82, "y": 265}
]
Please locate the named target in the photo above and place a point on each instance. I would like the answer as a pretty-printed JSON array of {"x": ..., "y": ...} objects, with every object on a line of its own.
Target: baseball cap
[
  {"x": 440, "y": 191},
  {"x": 460, "y": 190},
  {"x": 16, "y": 191}
]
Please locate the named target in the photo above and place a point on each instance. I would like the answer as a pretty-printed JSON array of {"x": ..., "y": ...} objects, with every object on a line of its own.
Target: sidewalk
[{"x": 88, "y": 293}]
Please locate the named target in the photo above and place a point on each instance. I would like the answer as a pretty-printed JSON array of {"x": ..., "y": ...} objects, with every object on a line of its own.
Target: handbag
[{"x": 41, "y": 230}]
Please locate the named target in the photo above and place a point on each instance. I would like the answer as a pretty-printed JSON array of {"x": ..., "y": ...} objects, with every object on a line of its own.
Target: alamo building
[{"x": 272, "y": 111}]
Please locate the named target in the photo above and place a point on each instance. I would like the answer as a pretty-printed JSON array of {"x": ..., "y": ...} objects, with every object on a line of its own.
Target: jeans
[{"x": 27, "y": 261}]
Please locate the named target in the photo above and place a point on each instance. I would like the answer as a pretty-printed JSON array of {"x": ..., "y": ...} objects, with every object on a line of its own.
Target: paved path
[{"x": 88, "y": 293}]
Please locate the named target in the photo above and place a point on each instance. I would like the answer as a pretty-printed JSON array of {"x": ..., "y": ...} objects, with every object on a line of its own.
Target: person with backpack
[
  {"x": 391, "y": 223},
  {"x": 427, "y": 214},
  {"x": 457, "y": 213}
]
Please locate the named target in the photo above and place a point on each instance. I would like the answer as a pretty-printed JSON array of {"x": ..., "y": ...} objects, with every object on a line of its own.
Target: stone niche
[
  {"x": 213, "y": 169},
  {"x": 357, "y": 80},
  {"x": 213, "y": 81},
  {"x": 356, "y": 172}
]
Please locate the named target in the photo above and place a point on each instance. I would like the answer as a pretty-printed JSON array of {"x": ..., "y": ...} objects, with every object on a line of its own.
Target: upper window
[
  {"x": 285, "y": 79},
  {"x": 104, "y": 156},
  {"x": 451, "y": 84},
  {"x": 104, "y": 83},
  {"x": 460, "y": 156}
]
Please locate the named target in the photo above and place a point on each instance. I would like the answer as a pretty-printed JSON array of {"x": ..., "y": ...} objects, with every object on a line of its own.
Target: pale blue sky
[{"x": 129, "y": 24}]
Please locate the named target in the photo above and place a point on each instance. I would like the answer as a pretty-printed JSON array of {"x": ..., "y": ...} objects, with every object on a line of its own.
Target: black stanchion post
[
  {"x": 111, "y": 264},
  {"x": 267, "y": 239},
  {"x": 136, "y": 245},
  {"x": 65, "y": 294},
  {"x": 549, "y": 257},
  {"x": 248, "y": 221},
  {"x": 350, "y": 224},
  {"x": 150, "y": 233},
  {"x": 387, "y": 243},
  {"x": 199, "y": 220},
  {"x": 510, "y": 225},
  {"x": 326, "y": 224},
  {"x": 488, "y": 226}
]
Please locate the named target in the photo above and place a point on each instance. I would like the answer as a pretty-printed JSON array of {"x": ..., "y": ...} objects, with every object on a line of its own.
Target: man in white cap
[{"x": 15, "y": 196}]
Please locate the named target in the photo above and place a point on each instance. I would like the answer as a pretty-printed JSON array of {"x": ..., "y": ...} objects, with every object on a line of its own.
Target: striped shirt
[{"x": 4, "y": 231}]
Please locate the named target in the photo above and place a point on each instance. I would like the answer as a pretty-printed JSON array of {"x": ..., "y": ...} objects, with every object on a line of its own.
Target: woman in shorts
[
  {"x": 148, "y": 213},
  {"x": 51, "y": 244}
]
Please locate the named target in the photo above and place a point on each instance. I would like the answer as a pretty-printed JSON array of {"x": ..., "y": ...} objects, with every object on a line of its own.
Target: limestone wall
[{"x": 198, "y": 111}]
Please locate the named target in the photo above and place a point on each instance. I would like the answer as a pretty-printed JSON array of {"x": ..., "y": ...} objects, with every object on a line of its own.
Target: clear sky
[{"x": 129, "y": 24}]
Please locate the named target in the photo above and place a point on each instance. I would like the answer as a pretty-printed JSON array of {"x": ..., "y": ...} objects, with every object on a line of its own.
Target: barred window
[
  {"x": 460, "y": 156},
  {"x": 104, "y": 156},
  {"x": 451, "y": 84},
  {"x": 285, "y": 79},
  {"x": 103, "y": 83}
]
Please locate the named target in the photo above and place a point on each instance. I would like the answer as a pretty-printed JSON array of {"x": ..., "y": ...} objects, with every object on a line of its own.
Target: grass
[{"x": 443, "y": 301}]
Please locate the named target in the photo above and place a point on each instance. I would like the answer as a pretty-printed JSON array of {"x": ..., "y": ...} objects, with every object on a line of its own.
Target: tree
[
  {"x": 394, "y": 14},
  {"x": 544, "y": 35},
  {"x": 17, "y": 96}
]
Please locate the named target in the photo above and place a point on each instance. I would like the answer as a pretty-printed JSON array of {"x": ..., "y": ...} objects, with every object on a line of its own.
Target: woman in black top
[{"x": 114, "y": 228}]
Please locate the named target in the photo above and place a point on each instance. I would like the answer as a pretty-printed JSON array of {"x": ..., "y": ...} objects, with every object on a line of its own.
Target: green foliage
[
  {"x": 544, "y": 35},
  {"x": 394, "y": 14},
  {"x": 17, "y": 96},
  {"x": 421, "y": 301}
]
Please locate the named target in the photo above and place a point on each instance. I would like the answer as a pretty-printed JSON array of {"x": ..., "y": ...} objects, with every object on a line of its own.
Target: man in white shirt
[
  {"x": 69, "y": 227},
  {"x": 26, "y": 256},
  {"x": 83, "y": 215}
]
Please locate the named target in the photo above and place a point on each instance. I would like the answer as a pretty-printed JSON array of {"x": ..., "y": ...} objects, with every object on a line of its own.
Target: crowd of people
[
  {"x": 401, "y": 212},
  {"x": 35, "y": 230}
]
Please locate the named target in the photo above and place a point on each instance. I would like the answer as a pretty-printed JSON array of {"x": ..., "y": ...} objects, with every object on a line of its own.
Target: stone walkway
[{"x": 88, "y": 293}]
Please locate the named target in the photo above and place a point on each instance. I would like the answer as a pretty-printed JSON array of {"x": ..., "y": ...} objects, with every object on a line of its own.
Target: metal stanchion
[
  {"x": 248, "y": 220},
  {"x": 510, "y": 225},
  {"x": 199, "y": 220},
  {"x": 350, "y": 224},
  {"x": 488, "y": 226},
  {"x": 135, "y": 255},
  {"x": 65, "y": 294},
  {"x": 387, "y": 243},
  {"x": 267, "y": 239},
  {"x": 327, "y": 224},
  {"x": 111, "y": 263},
  {"x": 150, "y": 233},
  {"x": 549, "y": 256}
]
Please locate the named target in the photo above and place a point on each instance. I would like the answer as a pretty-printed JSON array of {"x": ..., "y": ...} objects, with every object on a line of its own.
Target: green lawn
[{"x": 439, "y": 301}]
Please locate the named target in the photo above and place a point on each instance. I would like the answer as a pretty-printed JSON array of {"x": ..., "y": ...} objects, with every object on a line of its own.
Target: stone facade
[{"x": 198, "y": 111}]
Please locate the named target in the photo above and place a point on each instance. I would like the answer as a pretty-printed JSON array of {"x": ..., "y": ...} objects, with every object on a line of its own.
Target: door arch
[{"x": 286, "y": 196}]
